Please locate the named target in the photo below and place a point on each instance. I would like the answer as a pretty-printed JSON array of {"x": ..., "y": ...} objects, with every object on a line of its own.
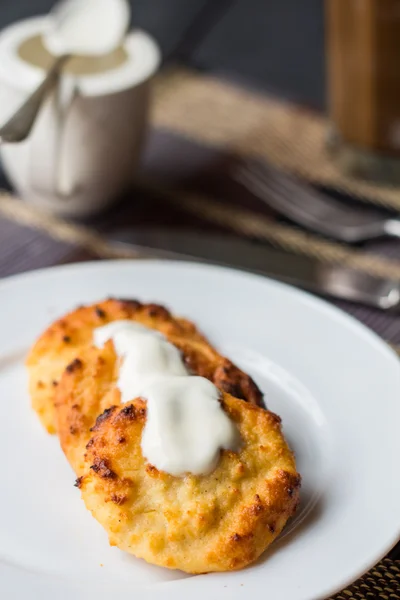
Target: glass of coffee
[{"x": 363, "y": 58}]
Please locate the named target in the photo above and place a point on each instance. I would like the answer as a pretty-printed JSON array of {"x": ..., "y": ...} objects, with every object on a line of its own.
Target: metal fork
[{"x": 318, "y": 212}]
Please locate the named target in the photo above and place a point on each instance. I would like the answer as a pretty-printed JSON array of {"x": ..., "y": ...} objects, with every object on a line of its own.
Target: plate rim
[{"x": 306, "y": 296}]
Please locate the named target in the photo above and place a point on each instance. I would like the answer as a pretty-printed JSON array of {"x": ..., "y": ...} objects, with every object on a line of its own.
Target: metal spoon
[{"x": 19, "y": 126}]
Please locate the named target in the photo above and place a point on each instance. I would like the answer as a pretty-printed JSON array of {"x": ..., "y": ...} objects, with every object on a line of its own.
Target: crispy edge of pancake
[
  {"x": 219, "y": 522},
  {"x": 67, "y": 337},
  {"x": 257, "y": 493},
  {"x": 87, "y": 388}
]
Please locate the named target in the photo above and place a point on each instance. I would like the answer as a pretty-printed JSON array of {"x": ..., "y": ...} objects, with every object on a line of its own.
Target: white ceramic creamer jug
[{"x": 87, "y": 140}]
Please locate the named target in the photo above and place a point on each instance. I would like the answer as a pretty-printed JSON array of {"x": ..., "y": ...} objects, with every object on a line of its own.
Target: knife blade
[{"x": 301, "y": 271}]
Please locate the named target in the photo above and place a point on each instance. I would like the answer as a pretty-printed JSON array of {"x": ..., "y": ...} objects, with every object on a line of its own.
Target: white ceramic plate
[{"x": 334, "y": 383}]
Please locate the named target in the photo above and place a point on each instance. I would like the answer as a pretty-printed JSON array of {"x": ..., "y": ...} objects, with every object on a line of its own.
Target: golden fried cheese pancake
[
  {"x": 197, "y": 523},
  {"x": 67, "y": 338}
]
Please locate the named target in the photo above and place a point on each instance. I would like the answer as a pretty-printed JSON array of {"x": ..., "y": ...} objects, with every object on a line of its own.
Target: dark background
[{"x": 274, "y": 45}]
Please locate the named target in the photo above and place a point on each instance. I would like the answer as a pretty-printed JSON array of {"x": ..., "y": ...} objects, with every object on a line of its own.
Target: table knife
[{"x": 302, "y": 271}]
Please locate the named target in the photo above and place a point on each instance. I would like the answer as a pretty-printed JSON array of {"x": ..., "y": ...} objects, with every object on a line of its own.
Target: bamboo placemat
[
  {"x": 219, "y": 115},
  {"x": 380, "y": 583}
]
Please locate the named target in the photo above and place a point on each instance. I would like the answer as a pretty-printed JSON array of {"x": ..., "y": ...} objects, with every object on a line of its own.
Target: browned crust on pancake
[
  {"x": 218, "y": 522},
  {"x": 67, "y": 338}
]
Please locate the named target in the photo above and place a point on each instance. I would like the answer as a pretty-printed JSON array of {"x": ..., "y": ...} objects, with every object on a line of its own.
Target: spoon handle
[{"x": 20, "y": 124}]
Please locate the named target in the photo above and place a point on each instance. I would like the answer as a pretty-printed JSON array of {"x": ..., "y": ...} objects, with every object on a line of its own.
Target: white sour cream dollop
[{"x": 186, "y": 427}]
